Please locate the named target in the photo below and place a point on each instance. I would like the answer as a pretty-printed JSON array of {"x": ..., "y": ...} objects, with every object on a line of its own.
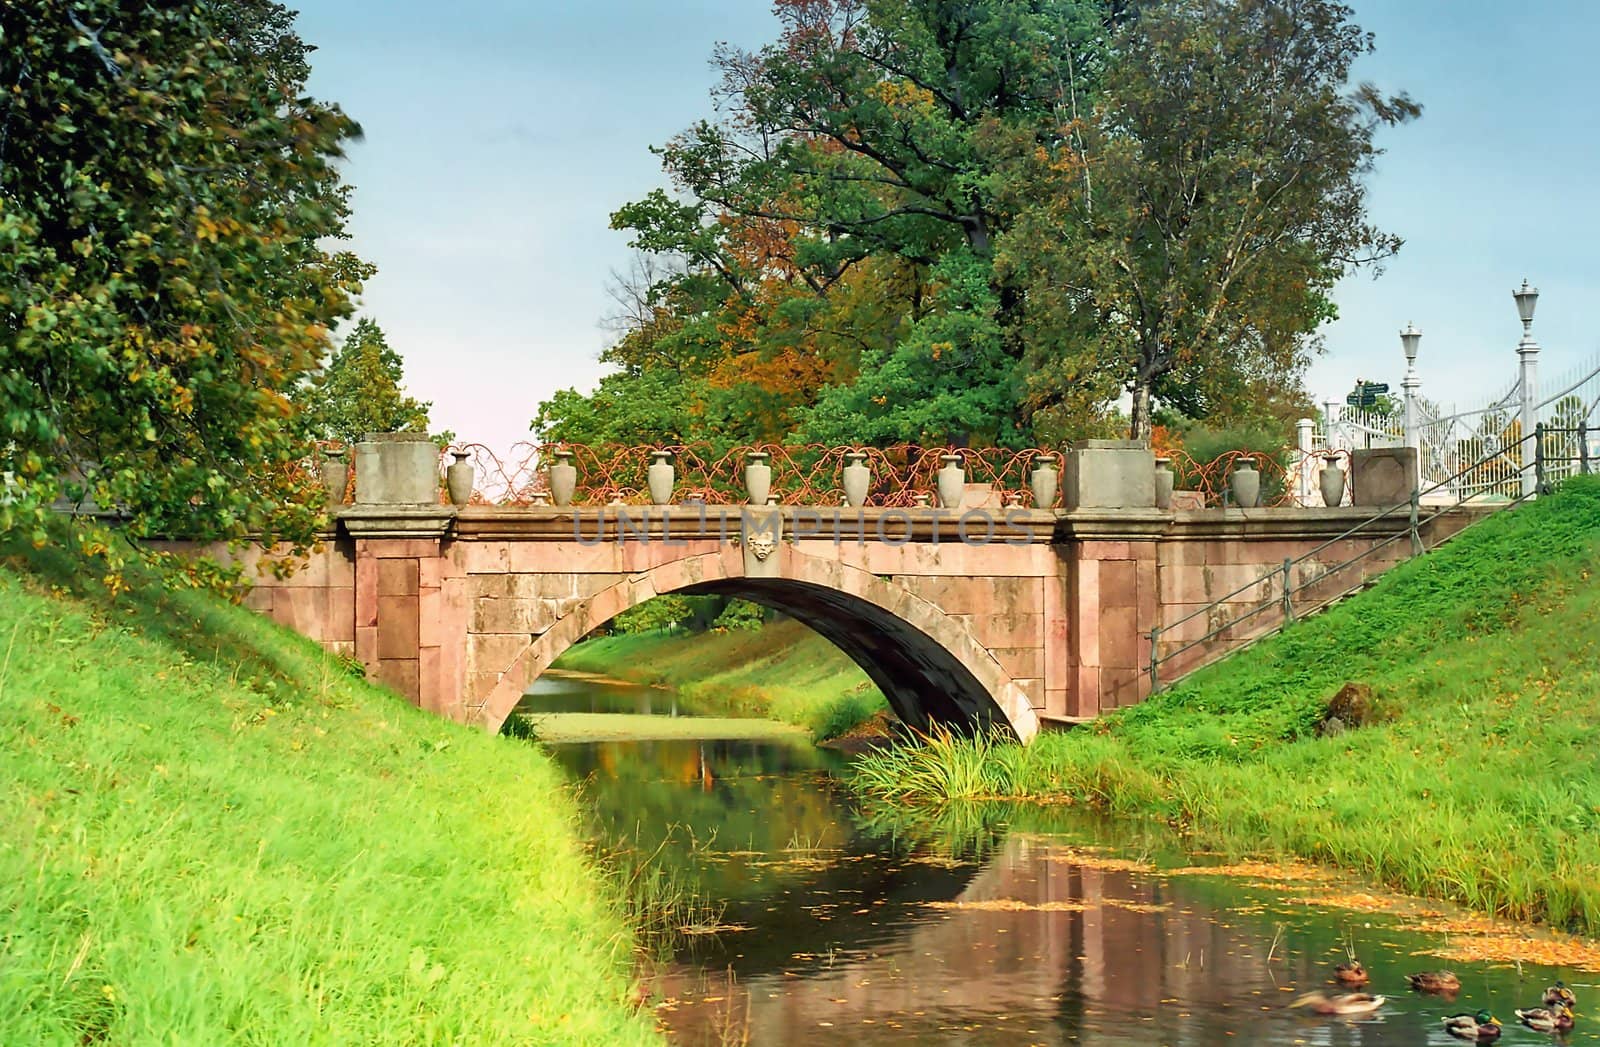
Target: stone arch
[{"x": 927, "y": 663}]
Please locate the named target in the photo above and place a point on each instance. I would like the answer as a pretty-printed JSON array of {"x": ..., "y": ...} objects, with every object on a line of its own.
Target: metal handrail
[
  {"x": 1364, "y": 523},
  {"x": 1285, "y": 602}
]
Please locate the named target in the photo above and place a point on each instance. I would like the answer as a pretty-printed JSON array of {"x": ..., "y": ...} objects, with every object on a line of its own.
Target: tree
[
  {"x": 360, "y": 392},
  {"x": 167, "y": 192},
  {"x": 868, "y": 124},
  {"x": 950, "y": 376},
  {"x": 989, "y": 221},
  {"x": 1183, "y": 237},
  {"x": 654, "y": 615},
  {"x": 651, "y": 407},
  {"x": 860, "y": 151}
]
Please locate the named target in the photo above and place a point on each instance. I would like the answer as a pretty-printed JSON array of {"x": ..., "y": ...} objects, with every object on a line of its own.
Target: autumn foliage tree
[
  {"x": 167, "y": 195},
  {"x": 1001, "y": 221},
  {"x": 834, "y": 234}
]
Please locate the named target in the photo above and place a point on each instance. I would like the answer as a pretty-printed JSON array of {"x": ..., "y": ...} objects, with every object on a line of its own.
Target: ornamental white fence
[{"x": 1449, "y": 441}]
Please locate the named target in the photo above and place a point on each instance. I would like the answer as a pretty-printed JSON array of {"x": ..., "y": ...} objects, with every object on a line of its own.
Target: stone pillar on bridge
[
  {"x": 1110, "y": 579},
  {"x": 1109, "y": 474},
  {"x": 410, "y": 603}
]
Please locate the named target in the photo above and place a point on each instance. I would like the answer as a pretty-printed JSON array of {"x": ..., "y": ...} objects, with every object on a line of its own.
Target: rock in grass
[{"x": 1351, "y": 707}]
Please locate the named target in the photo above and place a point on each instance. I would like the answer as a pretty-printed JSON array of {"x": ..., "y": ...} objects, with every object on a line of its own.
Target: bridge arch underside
[
  {"x": 927, "y": 663},
  {"x": 925, "y": 684}
]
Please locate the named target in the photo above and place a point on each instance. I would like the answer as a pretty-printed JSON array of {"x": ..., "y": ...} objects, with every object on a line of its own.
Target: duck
[
  {"x": 1560, "y": 993},
  {"x": 1482, "y": 1027},
  {"x": 1441, "y": 982},
  {"x": 1556, "y": 1018},
  {"x": 1345, "y": 1005},
  {"x": 1351, "y": 973}
]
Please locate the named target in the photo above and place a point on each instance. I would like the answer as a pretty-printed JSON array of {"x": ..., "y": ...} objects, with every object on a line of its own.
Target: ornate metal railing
[
  {"x": 807, "y": 474},
  {"x": 812, "y": 474},
  {"x": 1209, "y": 478}
]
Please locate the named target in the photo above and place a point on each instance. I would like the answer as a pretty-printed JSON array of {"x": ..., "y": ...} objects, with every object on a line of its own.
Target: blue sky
[{"x": 500, "y": 135}]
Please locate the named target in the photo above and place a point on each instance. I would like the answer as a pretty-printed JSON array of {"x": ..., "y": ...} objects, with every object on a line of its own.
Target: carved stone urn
[
  {"x": 458, "y": 479},
  {"x": 1043, "y": 481},
  {"x": 335, "y": 475},
  {"x": 563, "y": 478},
  {"x": 660, "y": 477},
  {"x": 1331, "y": 480},
  {"x": 952, "y": 482},
  {"x": 857, "y": 479},
  {"x": 1164, "y": 481},
  {"x": 757, "y": 477},
  {"x": 1245, "y": 483}
]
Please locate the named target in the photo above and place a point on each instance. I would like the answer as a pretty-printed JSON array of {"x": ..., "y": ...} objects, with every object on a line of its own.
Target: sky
[{"x": 501, "y": 134}]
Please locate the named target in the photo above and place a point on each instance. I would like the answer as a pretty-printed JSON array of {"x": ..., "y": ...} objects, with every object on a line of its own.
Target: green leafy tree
[
  {"x": 862, "y": 150},
  {"x": 1178, "y": 244},
  {"x": 167, "y": 195},
  {"x": 360, "y": 391},
  {"x": 869, "y": 125},
  {"x": 950, "y": 376},
  {"x": 654, "y": 615},
  {"x": 634, "y": 407},
  {"x": 990, "y": 221},
  {"x": 741, "y": 616}
]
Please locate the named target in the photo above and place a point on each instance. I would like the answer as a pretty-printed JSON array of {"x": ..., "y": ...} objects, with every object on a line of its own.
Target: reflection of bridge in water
[
  {"x": 972, "y": 614},
  {"x": 1037, "y": 949}
]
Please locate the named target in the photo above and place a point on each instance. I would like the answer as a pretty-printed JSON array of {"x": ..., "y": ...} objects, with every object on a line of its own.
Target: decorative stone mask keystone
[{"x": 761, "y": 545}]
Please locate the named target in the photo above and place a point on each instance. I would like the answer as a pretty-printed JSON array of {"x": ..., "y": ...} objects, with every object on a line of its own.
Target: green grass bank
[
  {"x": 782, "y": 671},
  {"x": 214, "y": 834},
  {"x": 1477, "y": 780}
]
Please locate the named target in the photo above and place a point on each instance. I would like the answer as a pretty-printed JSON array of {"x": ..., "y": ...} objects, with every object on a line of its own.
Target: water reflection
[
  {"x": 985, "y": 926},
  {"x": 1035, "y": 948},
  {"x": 557, "y": 692}
]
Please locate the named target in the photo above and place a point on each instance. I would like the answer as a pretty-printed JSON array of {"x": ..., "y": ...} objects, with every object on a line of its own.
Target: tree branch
[{"x": 99, "y": 49}]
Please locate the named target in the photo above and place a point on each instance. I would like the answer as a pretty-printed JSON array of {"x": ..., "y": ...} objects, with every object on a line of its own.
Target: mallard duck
[
  {"x": 1346, "y": 1005},
  {"x": 1556, "y": 1018},
  {"x": 1435, "y": 982},
  {"x": 1481, "y": 1027},
  {"x": 1559, "y": 993},
  {"x": 1351, "y": 973}
]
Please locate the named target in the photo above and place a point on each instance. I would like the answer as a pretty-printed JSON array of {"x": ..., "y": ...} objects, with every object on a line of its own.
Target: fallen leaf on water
[
  {"x": 1262, "y": 885},
  {"x": 1478, "y": 938},
  {"x": 1280, "y": 871},
  {"x": 1010, "y": 905},
  {"x": 1118, "y": 903},
  {"x": 1090, "y": 860},
  {"x": 1355, "y": 901},
  {"x": 713, "y": 928}
]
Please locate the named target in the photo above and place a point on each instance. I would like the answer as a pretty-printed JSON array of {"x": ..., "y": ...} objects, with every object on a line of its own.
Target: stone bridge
[{"x": 962, "y": 616}]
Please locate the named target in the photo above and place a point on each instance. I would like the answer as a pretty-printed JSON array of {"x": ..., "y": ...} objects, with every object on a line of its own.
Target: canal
[{"x": 820, "y": 923}]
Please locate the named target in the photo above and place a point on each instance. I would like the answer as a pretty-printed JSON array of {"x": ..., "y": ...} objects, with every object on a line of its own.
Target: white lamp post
[
  {"x": 1528, "y": 354},
  {"x": 1409, "y": 339}
]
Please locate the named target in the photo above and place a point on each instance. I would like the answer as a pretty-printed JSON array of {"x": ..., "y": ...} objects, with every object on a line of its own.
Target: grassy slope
[
  {"x": 783, "y": 671},
  {"x": 1481, "y": 783},
  {"x": 214, "y": 835}
]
